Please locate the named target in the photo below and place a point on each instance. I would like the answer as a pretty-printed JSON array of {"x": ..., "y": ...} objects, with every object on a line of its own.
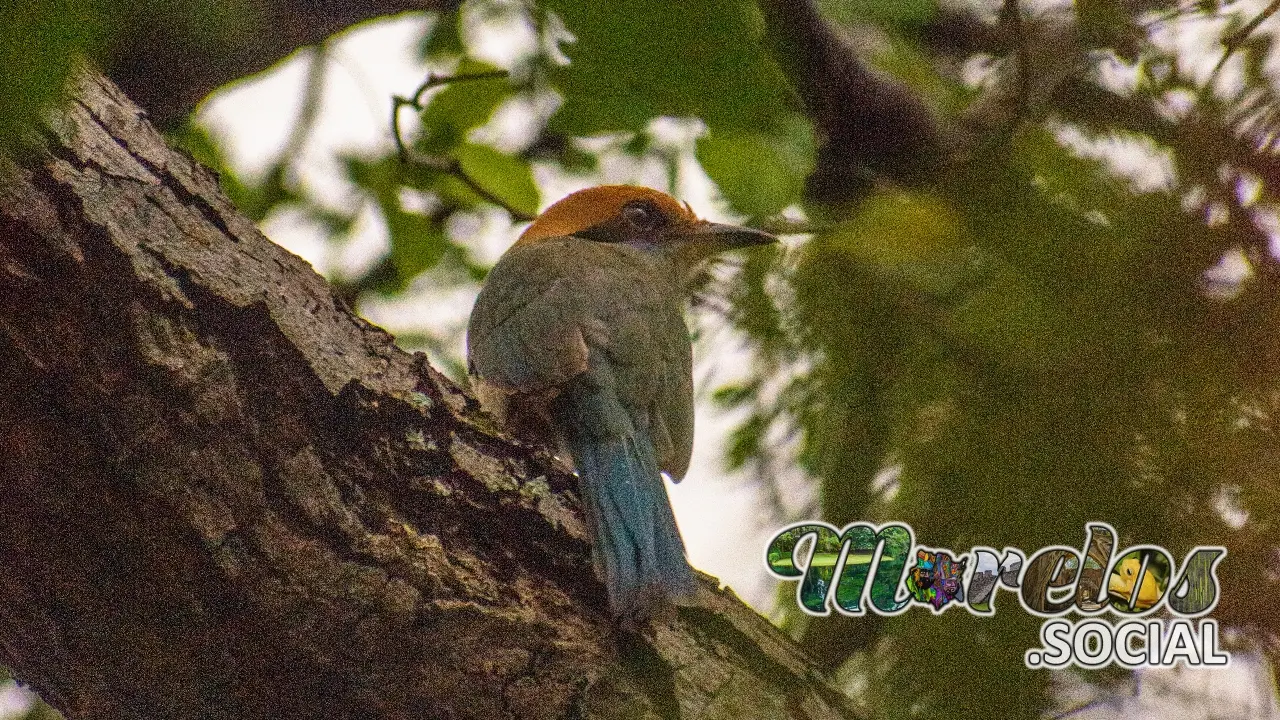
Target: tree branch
[
  {"x": 868, "y": 124},
  {"x": 1011, "y": 15},
  {"x": 168, "y": 56},
  {"x": 446, "y": 165},
  {"x": 226, "y": 496},
  {"x": 1238, "y": 38}
]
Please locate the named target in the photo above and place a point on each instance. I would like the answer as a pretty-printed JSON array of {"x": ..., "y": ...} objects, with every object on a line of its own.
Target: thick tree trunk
[{"x": 226, "y": 496}]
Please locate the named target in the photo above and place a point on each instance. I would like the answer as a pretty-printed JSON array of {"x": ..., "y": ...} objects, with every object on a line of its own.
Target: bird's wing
[
  {"x": 649, "y": 355},
  {"x": 552, "y": 311},
  {"x": 675, "y": 402},
  {"x": 525, "y": 333}
]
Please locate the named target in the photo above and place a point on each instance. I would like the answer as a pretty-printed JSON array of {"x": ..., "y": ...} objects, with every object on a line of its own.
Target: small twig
[
  {"x": 310, "y": 109},
  {"x": 276, "y": 180},
  {"x": 455, "y": 169},
  {"x": 1012, "y": 14},
  {"x": 415, "y": 102},
  {"x": 446, "y": 165},
  {"x": 1162, "y": 16},
  {"x": 1237, "y": 38}
]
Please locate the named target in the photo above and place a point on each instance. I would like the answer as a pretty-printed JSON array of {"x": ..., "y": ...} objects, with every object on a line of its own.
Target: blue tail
[{"x": 636, "y": 545}]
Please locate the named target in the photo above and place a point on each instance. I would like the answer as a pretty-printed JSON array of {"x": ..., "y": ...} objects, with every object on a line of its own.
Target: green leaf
[
  {"x": 731, "y": 396},
  {"x": 462, "y": 106},
  {"x": 634, "y": 60},
  {"x": 335, "y": 222},
  {"x": 444, "y": 38},
  {"x": 760, "y": 173},
  {"x": 418, "y": 242},
  {"x": 507, "y": 177},
  {"x": 901, "y": 227},
  {"x": 255, "y": 200},
  {"x": 902, "y": 15},
  {"x": 380, "y": 177},
  {"x": 744, "y": 443}
]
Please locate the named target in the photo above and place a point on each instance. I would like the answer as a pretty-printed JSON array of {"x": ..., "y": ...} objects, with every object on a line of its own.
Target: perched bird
[{"x": 578, "y": 338}]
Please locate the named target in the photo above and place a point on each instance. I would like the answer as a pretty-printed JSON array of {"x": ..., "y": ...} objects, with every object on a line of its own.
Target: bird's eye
[{"x": 643, "y": 215}]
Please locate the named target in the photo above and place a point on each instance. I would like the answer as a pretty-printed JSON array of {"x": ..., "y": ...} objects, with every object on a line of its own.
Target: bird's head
[{"x": 642, "y": 218}]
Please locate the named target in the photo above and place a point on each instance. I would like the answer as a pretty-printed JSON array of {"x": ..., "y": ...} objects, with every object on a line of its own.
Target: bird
[
  {"x": 578, "y": 339},
  {"x": 1124, "y": 584}
]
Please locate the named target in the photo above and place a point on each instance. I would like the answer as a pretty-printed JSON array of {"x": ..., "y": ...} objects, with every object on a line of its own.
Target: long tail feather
[{"x": 637, "y": 547}]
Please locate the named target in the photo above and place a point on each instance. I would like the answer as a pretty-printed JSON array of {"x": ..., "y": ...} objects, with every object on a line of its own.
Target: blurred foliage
[
  {"x": 1074, "y": 320},
  {"x": 29, "y": 706},
  {"x": 38, "y": 44},
  {"x": 633, "y": 61},
  {"x": 41, "y": 40}
]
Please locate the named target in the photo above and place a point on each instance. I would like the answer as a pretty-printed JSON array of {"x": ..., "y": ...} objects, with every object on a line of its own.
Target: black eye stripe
[
  {"x": 643, "y": 215},
  {"x": 638, "y": 220}
]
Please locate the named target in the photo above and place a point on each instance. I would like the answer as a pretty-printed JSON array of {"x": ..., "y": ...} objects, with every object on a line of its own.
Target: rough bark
[{"x": 227, "y": 496}]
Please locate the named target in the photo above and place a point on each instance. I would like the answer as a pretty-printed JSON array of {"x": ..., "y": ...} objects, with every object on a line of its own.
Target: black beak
[{"x": 726, "y": 237}]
